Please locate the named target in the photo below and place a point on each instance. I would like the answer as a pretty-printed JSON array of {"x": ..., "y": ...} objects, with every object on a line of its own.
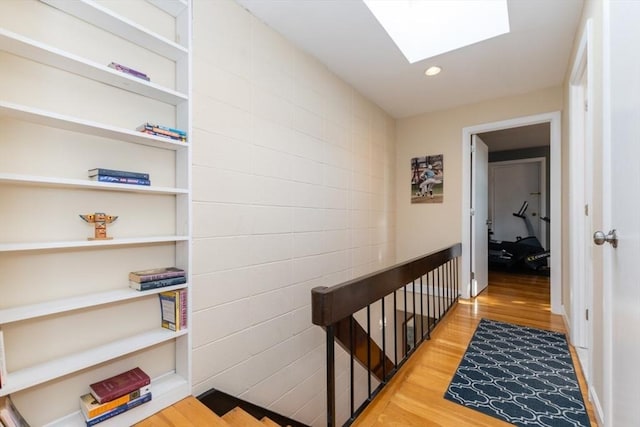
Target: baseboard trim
[{"x": 595, "y": 401}]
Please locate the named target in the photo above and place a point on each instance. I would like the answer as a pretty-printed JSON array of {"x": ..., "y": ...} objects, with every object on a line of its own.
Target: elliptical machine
[{"x": 525, "y": 252}]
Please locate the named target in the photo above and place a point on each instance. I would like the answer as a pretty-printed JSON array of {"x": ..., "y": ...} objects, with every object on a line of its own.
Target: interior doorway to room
[
  {"x": 518, "y": 185},
  {"x": 517, "y": 202},
  {"x": 520, "y": 140}
]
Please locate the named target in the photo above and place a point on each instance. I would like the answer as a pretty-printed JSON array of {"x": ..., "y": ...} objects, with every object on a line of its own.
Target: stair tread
[
  {"x": 240, "y": 418},
  {"x": 189, "y": 412},
  {"x": 199, "y": 414},
  {"x": 269, "y": 422}
]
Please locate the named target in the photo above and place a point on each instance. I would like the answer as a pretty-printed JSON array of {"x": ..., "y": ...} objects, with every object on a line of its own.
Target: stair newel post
[{"x": 331, "y": 378}]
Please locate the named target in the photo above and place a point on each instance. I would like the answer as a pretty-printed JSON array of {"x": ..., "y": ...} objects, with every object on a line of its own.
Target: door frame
[
  {"x": 478, "y": 224},
  {"x": 554, "y": 119},
  {"x": 542, "y": 164},
  {"x": 581, "y": 195}
]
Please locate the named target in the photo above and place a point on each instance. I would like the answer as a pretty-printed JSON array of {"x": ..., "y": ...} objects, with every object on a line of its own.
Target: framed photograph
[{"x": 427, "y": 179}]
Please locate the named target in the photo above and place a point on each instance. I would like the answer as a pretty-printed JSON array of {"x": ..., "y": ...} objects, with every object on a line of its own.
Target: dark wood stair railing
[{"x": 434, "y": 277}]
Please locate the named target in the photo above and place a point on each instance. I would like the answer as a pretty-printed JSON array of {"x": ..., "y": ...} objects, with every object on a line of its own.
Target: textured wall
[{"x": 294, "y": 186}]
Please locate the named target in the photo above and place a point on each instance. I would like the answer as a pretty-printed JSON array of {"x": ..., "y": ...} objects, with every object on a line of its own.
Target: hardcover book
[
  {"x": 160, "y": 127},
  {"x": 91, "y": 408},
  {"x": 156, "y": 274},
  {"x": 120, "y": 180},
  {"x": 154, "y": 284},
  {"x": 9, "y": 414},
  {"x": 130, "y": 71},
  {"x": 119, "y": 385},
  {"x": 119, "y": 409},
  {"x": 173, "y": 305},
  {"x": 115, "y": 172}
]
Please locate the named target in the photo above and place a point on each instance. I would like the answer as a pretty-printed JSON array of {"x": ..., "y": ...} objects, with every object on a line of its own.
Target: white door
[
  {"x": 479, "y": 206},
  {"x": 511, "y": 184},
  {"x": 621, "y": 281}
]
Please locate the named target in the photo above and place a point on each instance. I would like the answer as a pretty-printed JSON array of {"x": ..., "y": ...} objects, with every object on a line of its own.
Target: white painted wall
[
  {"x": 423, "y": 228},
  {"x": 294, "y": 180}
]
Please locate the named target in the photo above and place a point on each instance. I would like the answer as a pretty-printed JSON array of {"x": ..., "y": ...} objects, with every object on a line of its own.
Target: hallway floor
[{"x": 414, "y": 397}]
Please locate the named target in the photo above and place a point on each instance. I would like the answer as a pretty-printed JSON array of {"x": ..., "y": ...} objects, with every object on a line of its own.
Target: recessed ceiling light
[
  {"x": 423, "y": 29},
  {"x": 432, "y": 71}
]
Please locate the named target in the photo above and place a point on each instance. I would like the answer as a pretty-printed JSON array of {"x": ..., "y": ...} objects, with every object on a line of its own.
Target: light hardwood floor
[{"x": 414, "y": 397}]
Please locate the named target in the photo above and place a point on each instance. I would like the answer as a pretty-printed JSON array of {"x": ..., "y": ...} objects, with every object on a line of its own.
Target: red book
[{"x": 121, "y": 384}]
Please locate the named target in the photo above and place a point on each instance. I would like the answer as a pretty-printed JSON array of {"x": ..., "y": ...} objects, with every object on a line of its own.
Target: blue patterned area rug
[{"x": 524, "y": 376}]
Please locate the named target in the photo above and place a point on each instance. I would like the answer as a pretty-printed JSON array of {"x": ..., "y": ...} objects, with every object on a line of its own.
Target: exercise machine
[{"x": 524, "y": 252}]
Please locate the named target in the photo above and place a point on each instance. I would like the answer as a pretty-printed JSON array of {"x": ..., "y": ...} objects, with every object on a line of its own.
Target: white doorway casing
[
  {"x": 581, "y": 201},
  {"x": 554, "y": 119}
]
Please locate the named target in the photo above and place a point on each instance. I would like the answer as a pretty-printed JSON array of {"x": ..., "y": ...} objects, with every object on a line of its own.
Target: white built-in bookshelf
[{"x": 54, "y": 279}]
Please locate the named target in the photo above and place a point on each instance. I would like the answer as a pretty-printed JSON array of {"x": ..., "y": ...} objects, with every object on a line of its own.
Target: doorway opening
[{"x": 550, "y": 122}]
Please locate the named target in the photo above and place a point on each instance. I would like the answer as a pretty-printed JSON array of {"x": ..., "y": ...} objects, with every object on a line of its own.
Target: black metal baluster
[
  {"x": 415, "y": 318},
  {"x": 395, "y": 330},
  {"x": 421, "y": 311},
  {"x": 384, "y": 344},
  {"x": 331, "y": 381},
  {"x": 429, "y": 296},
  {"x": 369, "y": 350},
  {"x": 440, "y": 298},
  {"x": 352, "y": 341},
  {"x": 404, "y": 344},
  {"x": 457, "y": 278}
]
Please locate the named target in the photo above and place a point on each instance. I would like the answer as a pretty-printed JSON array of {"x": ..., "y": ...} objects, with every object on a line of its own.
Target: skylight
[{"x": 425, "y": 28}]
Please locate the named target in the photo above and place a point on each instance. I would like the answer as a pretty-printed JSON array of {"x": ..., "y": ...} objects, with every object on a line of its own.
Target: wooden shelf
[
  {"x": 37, "y": 246},
  {"x": 39, "y": 52},
  {"x": 47, "y": 371},
  {"x": 172, "y": 7},
  {"x": 87, "y": 127},
  {"x": 16, "y": 314},
  {"x": 174, "y": 380},
  {"x": 42, "y": 181},
  {"x": 101, "y": 17}
]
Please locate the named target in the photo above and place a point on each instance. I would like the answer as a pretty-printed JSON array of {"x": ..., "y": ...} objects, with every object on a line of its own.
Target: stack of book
[
  {"x": 164, "y": 131},
  {"x": 9, "y": 414},
  {"x": 129, "y": 71},
  {"x": 145, "y": 280},
  {"x": 173, "y": 305},
  {"x": 119, "y": 177},
  {"x": 115, "y": 395}
]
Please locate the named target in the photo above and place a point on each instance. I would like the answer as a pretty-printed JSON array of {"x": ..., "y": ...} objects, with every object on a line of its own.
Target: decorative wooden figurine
[{"x": 100, "y": 221}]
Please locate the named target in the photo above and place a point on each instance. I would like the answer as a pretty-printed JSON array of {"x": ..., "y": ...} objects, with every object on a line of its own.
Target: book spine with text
[
  {"x": 129, "y": 71},
  {"x": 115, "y": 172},
  {"x": 150, "y": 275},
  {"x": 91, "y": 408},
  {"x": 120, "y": 180},
  {"x": 154, "y": 284},
  {"x": 183, "y": 308},
  {"x": 171, "y": 130},
  {"x": 170, "y": 309},
  {"x": 119, "y": 410}
]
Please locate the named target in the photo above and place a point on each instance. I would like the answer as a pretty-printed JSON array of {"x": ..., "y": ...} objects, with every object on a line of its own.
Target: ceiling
[
  {"x": 521, "y": 137},
  {"x": 344, "y": 35}
]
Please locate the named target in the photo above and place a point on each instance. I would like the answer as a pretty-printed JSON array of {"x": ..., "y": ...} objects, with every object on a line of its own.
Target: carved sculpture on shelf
[{"x": 100, "y": 221}]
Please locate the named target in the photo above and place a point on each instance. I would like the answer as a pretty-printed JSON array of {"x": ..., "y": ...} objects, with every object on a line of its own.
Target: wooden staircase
[
  {"x": 190, "y": 412},
  {"x": 240, "y": 418}
]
